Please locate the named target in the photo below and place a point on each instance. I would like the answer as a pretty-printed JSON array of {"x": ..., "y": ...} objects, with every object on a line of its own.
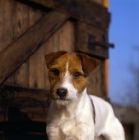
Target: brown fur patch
[
  {"x": 60, "y": 65},
  {"x": 76, "y": 66}
]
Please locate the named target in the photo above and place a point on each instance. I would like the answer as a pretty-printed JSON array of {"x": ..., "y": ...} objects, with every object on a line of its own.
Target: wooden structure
[
  {"x": 30, "y": 29},
  {"x": 129, "y": 117}
]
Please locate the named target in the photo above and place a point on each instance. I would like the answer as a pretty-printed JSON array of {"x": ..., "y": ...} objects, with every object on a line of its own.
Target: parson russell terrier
[{"x": 73, "y": 114}]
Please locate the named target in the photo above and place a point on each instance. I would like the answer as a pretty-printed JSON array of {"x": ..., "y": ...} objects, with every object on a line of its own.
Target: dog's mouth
[
  {"x": 61, "y": 102},
  {"x": 62, "y": 99}
]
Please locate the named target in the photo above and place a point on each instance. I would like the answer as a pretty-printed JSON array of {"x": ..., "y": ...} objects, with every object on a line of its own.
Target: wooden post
[
  {"x": 106, "y": 63},
  {"x": 106, "y": 3},
  {"x": 106, "y": 70}
]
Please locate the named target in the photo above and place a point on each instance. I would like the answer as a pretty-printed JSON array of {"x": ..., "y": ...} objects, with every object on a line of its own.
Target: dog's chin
[{"x": 62, "y": 102}]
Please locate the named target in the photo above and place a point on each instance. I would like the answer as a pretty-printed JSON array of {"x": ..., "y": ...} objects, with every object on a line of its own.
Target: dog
[{"x": 73, "y": 114}]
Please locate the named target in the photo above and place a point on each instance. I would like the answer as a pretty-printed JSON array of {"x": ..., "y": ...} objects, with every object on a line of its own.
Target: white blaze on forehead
[
  {"x": 67, "y": 76},
  {"x": 67, "y": 83}
]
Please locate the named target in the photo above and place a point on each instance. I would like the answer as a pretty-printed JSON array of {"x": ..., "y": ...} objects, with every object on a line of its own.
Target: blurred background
[
  {"x": 124, "y": 63},
  {"x": 124, "y": 58}
]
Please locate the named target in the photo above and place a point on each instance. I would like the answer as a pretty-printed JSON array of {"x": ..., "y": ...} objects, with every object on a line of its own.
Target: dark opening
[{"x": 20, "y": 127}]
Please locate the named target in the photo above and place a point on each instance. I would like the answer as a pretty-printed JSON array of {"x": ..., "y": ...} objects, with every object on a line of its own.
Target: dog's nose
[{"x": 61, "y": 92}]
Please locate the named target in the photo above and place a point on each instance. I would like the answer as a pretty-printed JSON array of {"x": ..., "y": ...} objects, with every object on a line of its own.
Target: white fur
[
  {"x": 72, "y": 92},
  {"x": 72, "y": 122},
  {"x": 73, "y": 119}
]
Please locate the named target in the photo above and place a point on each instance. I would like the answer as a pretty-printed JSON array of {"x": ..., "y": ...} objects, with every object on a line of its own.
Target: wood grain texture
[
  {"x": 86, "y": 11},
  {"x": 83, "y": 43},
  {"x": 66, "y": 37},
  {"x": 1, "y": 24},
  {"x": 55, "y": 40},
  {"x": 29, "y": 42},
  {"x": 23, "y": 18},
  {"x": 21, "y": 24},
  {"x": 36, "y": 65},
  {"x": 6, "y": 8},
  {"x": 106, "y": 77},
  {"x": 31, "y": 102},
  {"x": 36, "y": 69}
]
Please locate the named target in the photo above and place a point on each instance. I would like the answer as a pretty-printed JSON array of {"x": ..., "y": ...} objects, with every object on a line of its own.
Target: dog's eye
[
  {"x": 77, "y": 74},
  {"x": 55, "y": 71}
]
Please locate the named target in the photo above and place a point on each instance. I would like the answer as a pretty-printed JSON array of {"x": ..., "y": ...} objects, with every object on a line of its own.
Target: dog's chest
[
  {"x": 71, "y": 128},
  {"x": 71, "y": 123}
]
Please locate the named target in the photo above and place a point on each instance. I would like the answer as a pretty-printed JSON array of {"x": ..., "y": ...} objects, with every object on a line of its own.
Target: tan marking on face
[
  {"x": 75, "y": 68},
  {"x": 76, "y": 75},
  {"x": 60, "y": 65}
]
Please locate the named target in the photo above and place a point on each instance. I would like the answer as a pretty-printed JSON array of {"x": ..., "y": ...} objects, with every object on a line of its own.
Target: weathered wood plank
[
  {"x": 36, "y": 69},
  {"x": 66, "y": 37},
  {"x": 34, "y": 16},
  {"x": 33, "y": 102},
  {"x": 55, "y": 41},
  {"x": 29, "y": 42},
  {"x": 84, "y": 35},
  {"x": 6, "y": 21},
  {"x": 84, "y": 10},
  {"x": 23, "y": 18},
  {"x": 106, "y": 77},
  {"x": 1, "y": 23},
  {"x": 7, "y": 11},
  {"x": 20, "y": 23},
  {"x": 20, "y": 19}
]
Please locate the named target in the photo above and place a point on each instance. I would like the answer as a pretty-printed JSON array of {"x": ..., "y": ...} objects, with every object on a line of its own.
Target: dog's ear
[
  {"x": 50, "y": 57},
  {"x": 88, "y": 63}
]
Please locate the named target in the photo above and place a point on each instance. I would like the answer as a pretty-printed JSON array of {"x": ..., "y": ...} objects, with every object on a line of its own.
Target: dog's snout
[{"x": 62, "y": 92}]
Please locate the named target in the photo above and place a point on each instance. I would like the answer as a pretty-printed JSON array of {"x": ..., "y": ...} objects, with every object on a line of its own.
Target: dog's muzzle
[{"x": 61, "y": 92}]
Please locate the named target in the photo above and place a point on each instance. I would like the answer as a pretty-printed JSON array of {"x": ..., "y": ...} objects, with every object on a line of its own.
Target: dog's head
[{"x": 68, "y": 74}]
